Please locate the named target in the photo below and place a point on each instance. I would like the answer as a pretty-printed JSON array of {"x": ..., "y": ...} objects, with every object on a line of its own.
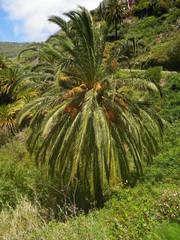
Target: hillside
[
  {"x": 58, "y": 111},
  {"x": 10, "y": 49}
]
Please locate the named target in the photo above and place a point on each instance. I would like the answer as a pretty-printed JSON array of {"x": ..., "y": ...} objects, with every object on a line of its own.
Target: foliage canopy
[{"x": 88, "y": 126}]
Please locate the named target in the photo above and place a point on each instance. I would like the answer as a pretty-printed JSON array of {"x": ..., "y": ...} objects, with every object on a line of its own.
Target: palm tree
[
  {"x": 9, "y": 78},
  {"x": 116, "y": 10},
  {"x": 88, "y": 128},
  {"x": 3, "y": 62},
  {"x": 12, "y": 97},
  {"x": 8, "y": 116}
]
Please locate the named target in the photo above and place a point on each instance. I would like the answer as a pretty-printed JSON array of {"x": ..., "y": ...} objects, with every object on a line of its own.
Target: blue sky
[
  {"x": 6, "y": 27},
  {"x": 26, "y": 20}
]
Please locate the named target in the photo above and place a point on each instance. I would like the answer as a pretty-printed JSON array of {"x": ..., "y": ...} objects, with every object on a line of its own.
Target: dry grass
[{"x": 26, "y": 223}]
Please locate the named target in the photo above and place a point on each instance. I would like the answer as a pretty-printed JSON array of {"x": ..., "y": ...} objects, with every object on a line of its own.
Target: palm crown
[
  {"x": 115, "y": 11},
  {"x": 88, "y": 126}
]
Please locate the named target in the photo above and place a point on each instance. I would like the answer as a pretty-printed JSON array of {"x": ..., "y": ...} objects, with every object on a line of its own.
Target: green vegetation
[
  {"x": 101, "y": 158},
  {"x": 151, "y": 41},
  {"x": 11, "y": 50},
  {"x": 152, "y": 7},
  {"x": 166, "y": 232}
]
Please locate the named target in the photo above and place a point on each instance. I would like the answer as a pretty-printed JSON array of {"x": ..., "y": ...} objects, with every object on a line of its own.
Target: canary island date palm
[
  {"x": 89, "y": 128},
  {"x": 115, "y": 11},
  {"x": 12, "y": 97}
]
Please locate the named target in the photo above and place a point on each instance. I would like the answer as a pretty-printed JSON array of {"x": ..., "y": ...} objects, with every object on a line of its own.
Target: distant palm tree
[
  {"x": 8, "y": 116},
  {"x": 12, "y": 99},
  {"x": 9, "y": 78},
  {"x": 87, "y": 127},
  {"x": 3, "y": 62},
  {"x": 116, "y": 10}
]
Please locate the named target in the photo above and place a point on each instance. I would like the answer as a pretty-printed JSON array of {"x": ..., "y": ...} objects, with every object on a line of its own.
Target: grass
[{"x": 165, "y": 232}]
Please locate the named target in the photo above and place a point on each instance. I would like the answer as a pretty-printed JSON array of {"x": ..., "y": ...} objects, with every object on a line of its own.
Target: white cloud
[{"x": 30, "y": 16}]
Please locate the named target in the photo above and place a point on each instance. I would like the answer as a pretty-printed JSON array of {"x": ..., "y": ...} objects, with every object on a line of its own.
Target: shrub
[
  {"x": 172, "y": 17},
  {"x": 143, "y": 7},
  {"x": 152, "y": 7},
  {"x": 20, "y": 177},
  {"x": 172, "y": 93},
  {"x": 169, "y": 205},
  {"x": 154, "y": 74},
  {"x": 17, "y": 173},
  {"x": 165, "y": 54},
  {"x": 162, "y": 6},
  {"x": 177, "y": 3},
  {"x": 4, "y": 137}
]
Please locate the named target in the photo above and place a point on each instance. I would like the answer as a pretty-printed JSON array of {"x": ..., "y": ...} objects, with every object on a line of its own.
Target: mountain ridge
[{"x": 11, "y": 49}]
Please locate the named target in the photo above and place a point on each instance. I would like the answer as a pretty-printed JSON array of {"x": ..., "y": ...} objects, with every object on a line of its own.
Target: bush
[
  {"x": 162, "y": 6},
  {"x": 20, "y": 177},
  {"x": 152, "y": 7},
  {"x": 17, "y": 173},
  {"x": 177, "y": 3},
  {"x": 4, "y": 137},
  {"x": 172, "y": 95},
  {"x": 165, "y": 54},
  {"x": 169, "y": 205},
  {"x": 143, "y": 8},
  {"x": 154, "y": 74}
]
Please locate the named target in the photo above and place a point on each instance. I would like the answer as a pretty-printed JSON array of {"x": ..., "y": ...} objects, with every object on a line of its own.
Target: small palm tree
[
  {"x": 8, "y": 116},
  {"x": 87, "y": 127},
  {"x": 9, "y": 78},
  {"x": 12, "y": 99},
  {"x": 116, "y": 10},
  {"x": 3, "y": 62}
]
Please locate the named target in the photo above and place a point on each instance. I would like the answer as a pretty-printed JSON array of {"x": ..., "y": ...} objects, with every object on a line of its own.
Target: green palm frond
[{"x": 82, "y": 45}]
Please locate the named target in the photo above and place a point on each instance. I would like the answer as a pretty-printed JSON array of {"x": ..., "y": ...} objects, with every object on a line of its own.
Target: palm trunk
[
  {"x": 116, "y": 30},
  {"x": 97, "y": 186},
  {"x": 98, "y": 193}
]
